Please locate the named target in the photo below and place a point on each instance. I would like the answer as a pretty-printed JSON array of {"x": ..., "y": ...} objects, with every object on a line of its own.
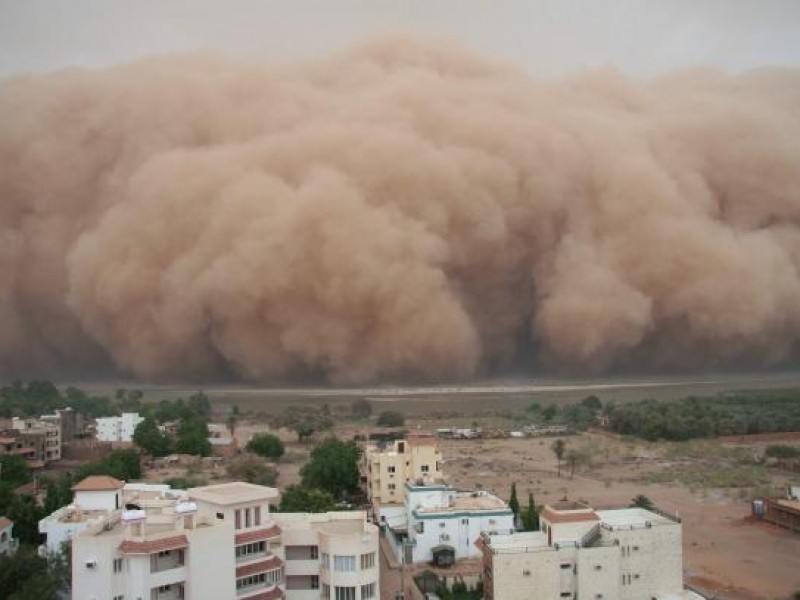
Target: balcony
[
  {"x": 163, "y": 561},
  {"x": 174, "y": 591}
]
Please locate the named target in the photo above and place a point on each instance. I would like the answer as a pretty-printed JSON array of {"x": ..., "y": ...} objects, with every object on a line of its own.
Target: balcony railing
[
  {"x": 168, "y": 592},
  {"x": 173, "y": 560}
]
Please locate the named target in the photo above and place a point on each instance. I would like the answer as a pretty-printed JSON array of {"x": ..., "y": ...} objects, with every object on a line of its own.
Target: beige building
[
  {"x": 624, "y": 554},
  {"x": 214, "y": 542},
  {"x": 45, "y": 437},
  {"x": 331, "y": 555},
  {"x": 386, "y": 468}
]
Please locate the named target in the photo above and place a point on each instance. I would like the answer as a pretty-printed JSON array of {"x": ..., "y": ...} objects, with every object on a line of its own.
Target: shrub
[
  {"x": 391, "y": 418},
  {"x": 266, "y": 445}
]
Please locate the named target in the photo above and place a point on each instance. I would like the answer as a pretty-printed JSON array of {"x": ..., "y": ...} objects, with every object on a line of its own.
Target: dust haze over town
[{"x": 398, "y": 192}]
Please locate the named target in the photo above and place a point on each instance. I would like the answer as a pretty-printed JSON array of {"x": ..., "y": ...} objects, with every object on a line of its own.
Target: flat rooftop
[
  {"x": 631, "y": 517},
  {"x": 233, "y": 493},
  {"x": 519, "y": 542},
  {"x": 467, "y": 501}
]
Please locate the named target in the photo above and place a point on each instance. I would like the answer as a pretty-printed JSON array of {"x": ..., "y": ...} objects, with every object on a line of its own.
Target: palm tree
[{"x": 559, "y": 447}]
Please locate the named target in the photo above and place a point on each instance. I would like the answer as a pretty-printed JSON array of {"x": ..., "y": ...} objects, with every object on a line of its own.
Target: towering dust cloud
[{"x": 404, "y": 210}]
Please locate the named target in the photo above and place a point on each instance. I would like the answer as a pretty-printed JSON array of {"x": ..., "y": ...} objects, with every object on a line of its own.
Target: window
[
  {"x": 636, "y": 548},
  {"x": 345, "y": 593},
  {"x": 315, "y": 582},
  {"x": 117, "y": 565},
  {"x": 313, "y": 552},
  {"x": 442, "y": 524},
  {"x": 390, "y": 469},
  {"x": 566, "y": 566},
  {"x": 325, "y": 560},
  {"x": 344, "y": 564},
  {"x": 120, "y": 597},
  {"x": 367, "y": 562},
  {"x": 326, "y": 591},
  {"x": 221, "y": 516},
  {"x": 237, "y": 519},
  {"x": 466, "y": 521},
  {"x": 526, "y": 573},
  {"x": 368, "y": 591},
  {"x": 424, "y": 468},
  {"x": 257, "y": 515},
  {"x": 250, "y": 549},
  {"x": 597, "y": 567},
  {"x": 566, "y": 594},
  {"x": 247, "y": 521}
]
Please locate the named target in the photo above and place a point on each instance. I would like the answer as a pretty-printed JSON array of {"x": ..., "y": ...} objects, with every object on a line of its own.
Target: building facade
[
  {"x": 386, "y": 468},
  {"x": 117, "y": 429},
  {"x": 331, "y": 555},
  {"x": 218, "y": 541},
  {"x": 44, "y": 436},
  {"x": 439, "y": 518},
  {"x": 625, "y": 554}
]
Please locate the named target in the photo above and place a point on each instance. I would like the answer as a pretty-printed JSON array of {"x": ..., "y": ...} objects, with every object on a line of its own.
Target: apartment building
[
  {"x": 44, "y": 437},
  {"x": 331, "y": 555},
  {"x": 386, "y": 468},
  {"x": 215, "y": 542},
  {"x": 437, "y": 519},
  {"x": 623, "y": 554},
  {"x": 117, "y": 429}
]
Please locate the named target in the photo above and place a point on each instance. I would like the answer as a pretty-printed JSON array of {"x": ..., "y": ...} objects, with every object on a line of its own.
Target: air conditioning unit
[{"x": 91, "y": 563}]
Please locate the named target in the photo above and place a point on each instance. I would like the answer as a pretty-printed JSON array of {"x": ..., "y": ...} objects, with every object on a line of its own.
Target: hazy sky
[{"x": 544, "y": 36}]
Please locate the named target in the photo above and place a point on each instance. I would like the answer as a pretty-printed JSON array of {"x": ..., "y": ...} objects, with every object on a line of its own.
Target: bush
[
  {"x": 782, "y": 451},
  {"x": 391, "y": 418},
  {"x": 301, "y": 499},
  {"x": 266, "y": 445}
]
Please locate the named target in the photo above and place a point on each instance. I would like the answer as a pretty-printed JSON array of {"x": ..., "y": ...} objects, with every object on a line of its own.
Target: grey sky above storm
[
  {"x": 273, "y": 191},
  {"x": 546, "y": 37}
]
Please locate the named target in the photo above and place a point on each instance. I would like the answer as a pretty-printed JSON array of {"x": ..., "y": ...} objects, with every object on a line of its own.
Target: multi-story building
[
  {"x": 437, "y": 519},
  {"x": 12, "y": 442},
  {"x": 71, "y": 423},
  {"x": 386, "y": 468},
  {"x": 330, "y": 555},
  {"x": 216, "y": 542},
  {"x": 45, "y": 437},
  {"x": 117, "y": 429},
  {"x": 624, "y": 554},
  {"x": 8, "y": 545}
]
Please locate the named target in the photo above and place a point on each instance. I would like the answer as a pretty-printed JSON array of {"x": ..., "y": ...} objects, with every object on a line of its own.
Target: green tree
[
  {"x": 14, "y": 469},
  {"x": 25, "y": 576},
  {"x": 305, "y": 421},
  {"x": 361, "y": 408},
  {"x": 199, "y": 404},
  {"x": 266, "y": 445},
  {"x": 549, "y": 412},
  {"x": 559, "y": 447},
  {"x": 301, "y": 499},
  {"x": 513, "y": 502},
  {"x": 26, "y": 513},
  {"x": 530, "y": 516},
  {"x": 121, "y": 464},
  {"x": 150, "y": 438},
  {"x": 193, "y": 437},
  {"x": 391, "y": 418},
  {"x": 333, "y": 467},
  {"x": 642, "y": 501}
]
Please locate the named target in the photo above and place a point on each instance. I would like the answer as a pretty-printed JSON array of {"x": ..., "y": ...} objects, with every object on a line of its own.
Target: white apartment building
[
  {"x": 48, "y": 444},
  {"x": 218, "y": 542},
  {"x": 624, "y": 554},
  {"x": 8, "y": 545},
  {"x": 330, "y": 555},
  {"x": 117, "y": 429},
  {"x": 438, "y": 518},
  {"x": 386, "y": 468}
]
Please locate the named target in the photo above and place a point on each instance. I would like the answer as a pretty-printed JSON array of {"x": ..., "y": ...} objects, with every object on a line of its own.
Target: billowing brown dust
[{"x": 403, "y": 210}]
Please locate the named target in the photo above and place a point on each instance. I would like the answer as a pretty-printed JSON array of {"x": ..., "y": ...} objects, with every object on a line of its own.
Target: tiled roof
[
  {"x": 97, "y": 483},
  {"x": 273, "y": 562},
  {"x": 273, "y": 594},
  {"x": 5, "y": 522},
  {"x": 567, "y": 517},
  {"x": 150, "y": 546},
  {"x": 260, "y": 534}
]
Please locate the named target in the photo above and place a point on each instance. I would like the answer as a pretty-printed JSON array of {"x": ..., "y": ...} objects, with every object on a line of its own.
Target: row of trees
[{"x": 698, "y": 417}]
